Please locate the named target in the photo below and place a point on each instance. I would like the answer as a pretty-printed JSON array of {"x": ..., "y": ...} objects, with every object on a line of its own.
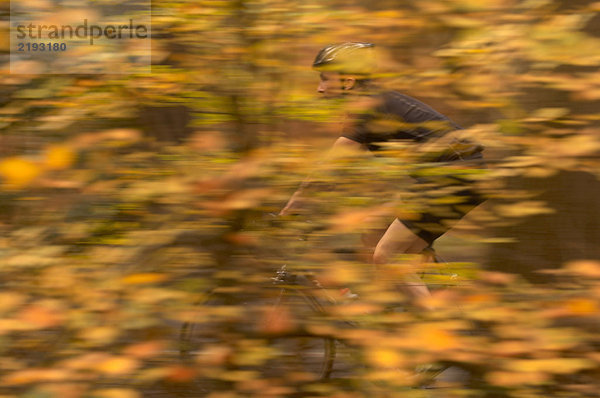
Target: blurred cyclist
[{"x": 347, "y": 69}]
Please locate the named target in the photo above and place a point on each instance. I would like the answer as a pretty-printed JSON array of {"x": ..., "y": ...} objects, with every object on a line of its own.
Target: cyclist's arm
[{"x": 342, "y": 147}]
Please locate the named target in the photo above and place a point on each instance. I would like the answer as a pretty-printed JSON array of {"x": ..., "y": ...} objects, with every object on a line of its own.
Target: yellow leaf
[
  {"x": 355, "y": 309},
  {"x": 499, "y": 278},
  {"x": 481, "y": 298},
  {"x": 511, "y": 348},
  {"x": 145, "y": 349},
  {"x": 59, "y": 157},
  {"x": 90, "y": 139},
  {"x": 118, "y": 365},
  {"x": 547, "y": 114},
  {"x": 9, "y": 301},
  {"x": 238, "y": 375},
  {"x": 554, "y": 365},
  {"x": 11, "y": 325},
  {"x": 41, "y": 315},
  {"x": 339, "y": 274},
  {"x": 116, "y": 393},
  {"x": 515, "y": 378},
  {"x": 19, "y": 172},
  {"x": 581, "y": 306},
  {"x": 153, "y": 374},
  {"x": 590, "y": 269},
  {"x": 434, "y": 337},
  {"x": 385, "y": 358},
  {"x": 577, "y": 145},
  {"x": 87, "y": 361},
  {"x": 214, "y": 355},
  {"x": 388, "y": 14},
  {"x": 100, "y": 335},
  {"x": 144, "y": 278},
  {"x": 524, "y": 209},
  {"x": 36, "y": 375}
]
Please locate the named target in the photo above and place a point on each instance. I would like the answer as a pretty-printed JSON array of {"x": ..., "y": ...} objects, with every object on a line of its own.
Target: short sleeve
[
  {"x": 361, "y": 115},
  {"x": 355, "y": 129}
]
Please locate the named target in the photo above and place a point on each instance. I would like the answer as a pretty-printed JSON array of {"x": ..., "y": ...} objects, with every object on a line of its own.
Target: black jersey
[{"x": 396, "y": 116}]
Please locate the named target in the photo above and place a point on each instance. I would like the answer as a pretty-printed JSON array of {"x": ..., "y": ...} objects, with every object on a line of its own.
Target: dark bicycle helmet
[{"x": 349, "y": 57}]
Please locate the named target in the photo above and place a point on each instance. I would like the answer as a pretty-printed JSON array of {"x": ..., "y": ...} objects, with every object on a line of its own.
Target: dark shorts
[{"x": 442, "y": 195}]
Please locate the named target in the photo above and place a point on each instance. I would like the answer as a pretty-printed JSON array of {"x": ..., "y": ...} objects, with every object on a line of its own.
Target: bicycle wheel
[
  {"x": 201, "y": 331},
  {"x": 297, "y": 351}
]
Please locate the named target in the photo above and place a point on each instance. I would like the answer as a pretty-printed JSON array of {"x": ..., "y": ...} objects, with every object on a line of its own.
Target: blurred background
[{"x": 127, "y": 198}]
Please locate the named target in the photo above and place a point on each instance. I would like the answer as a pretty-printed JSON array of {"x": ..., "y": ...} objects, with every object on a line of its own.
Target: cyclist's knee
[
  {"x": 386, "y": 250},
  {"x": 379, "y": 257}
]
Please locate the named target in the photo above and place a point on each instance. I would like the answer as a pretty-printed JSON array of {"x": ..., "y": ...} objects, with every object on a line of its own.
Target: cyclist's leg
[
  {"x": 377, "y": 225},
  {"x": 400, "y": 239}
]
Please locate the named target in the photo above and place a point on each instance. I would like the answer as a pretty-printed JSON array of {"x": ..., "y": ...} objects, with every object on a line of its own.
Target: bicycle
[
  {"x": 309, "y": 350},
  {"x": 317, "y": 298}
]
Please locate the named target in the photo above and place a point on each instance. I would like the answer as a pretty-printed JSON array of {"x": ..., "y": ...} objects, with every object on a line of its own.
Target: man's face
[{"x": 334, "y": 85}]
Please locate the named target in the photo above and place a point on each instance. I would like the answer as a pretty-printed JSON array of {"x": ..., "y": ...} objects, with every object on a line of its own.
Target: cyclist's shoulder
[
  {"x": 376, "y": 103},
  {"x": 397, "y": 97},
  {"x": 397, "y": 102}
]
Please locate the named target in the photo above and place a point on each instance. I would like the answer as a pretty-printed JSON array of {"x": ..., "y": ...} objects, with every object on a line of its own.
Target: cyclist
[{"x": 347, "y": 69}]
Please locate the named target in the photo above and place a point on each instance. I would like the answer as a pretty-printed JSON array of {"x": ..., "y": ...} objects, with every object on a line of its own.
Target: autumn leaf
[
  {"x": 42, "y": 315},
  {"x": 513, "y": 378},
  {"x": 499, "y": 278},
  {"x": 18, "y": 172},
  {"x": 180, "y": 374},
  {"x": 385, "y": 357},
  {"x": 118, "y": 365},
  {"x": 146, "y": 349},
  {"x": 100, "y": 335},
  {"x": 581, "y": 307},
  {"x": 29, "y": 376},
  {"x": 511, "y": 348},
  {"x": 11, "y": 300},
  {"x": 433, "y": 337},
  {"x": 144, "y": 278},
  {"x": 547, "y": 114},
  {"x": 339, "y": 273},
  {"x": 524, "y": 209},
  {"x": 553, "y": 365},
  {"x": 238, "y": 200},
  {"x": 277, "y": 319},
  {"x": 59, "y": 157},
  {"x": 88, "y": 140},
  {"x": 116, "y": 393},
  {"x": 122, "y": 213},
  {"x": 585, "y": 268},
  {"x": 86, "y": 361},
  {"x": 214, "y": 355},
  {"x": 238, "y": 375}
]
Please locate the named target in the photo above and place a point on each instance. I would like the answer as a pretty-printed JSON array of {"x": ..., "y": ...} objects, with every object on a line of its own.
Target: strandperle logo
[
  {"x": 80, "y": 37},
  {"x": 83, "y": 31}
]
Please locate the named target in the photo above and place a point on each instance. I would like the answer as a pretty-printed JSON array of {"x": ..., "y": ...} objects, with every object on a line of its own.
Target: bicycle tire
[
  {"x": 190, "y": 333},
  {"x": 299, "y": 350}
]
